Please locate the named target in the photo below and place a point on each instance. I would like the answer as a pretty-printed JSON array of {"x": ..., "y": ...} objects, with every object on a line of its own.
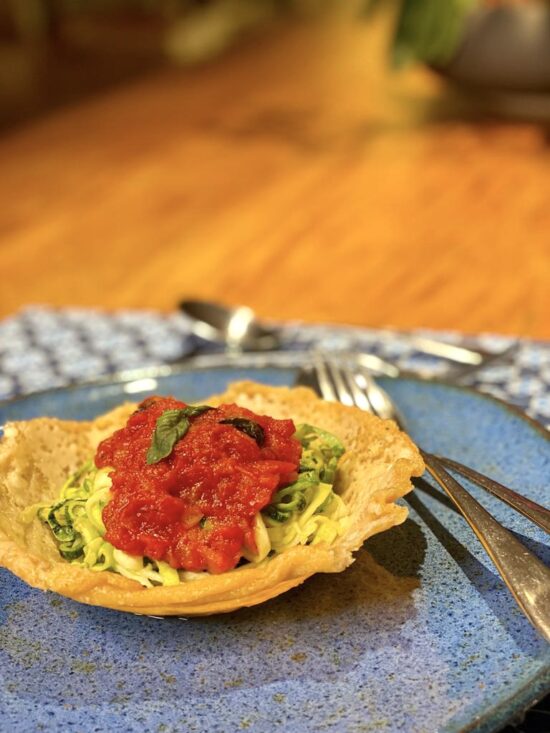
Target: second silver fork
[{"x": 525, "y": 575}]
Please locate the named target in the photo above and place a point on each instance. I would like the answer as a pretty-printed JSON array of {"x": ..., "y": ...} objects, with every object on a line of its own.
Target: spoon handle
[
  {"x": 525, "y": 575},
  {"x": 530, "y": 509}
]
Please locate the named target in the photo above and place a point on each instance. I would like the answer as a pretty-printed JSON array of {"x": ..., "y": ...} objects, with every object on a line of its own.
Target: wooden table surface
[{"x": 296, "y": 175}]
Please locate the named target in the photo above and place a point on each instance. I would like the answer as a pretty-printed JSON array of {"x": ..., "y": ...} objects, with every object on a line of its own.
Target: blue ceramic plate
[{"x": 418, "y": 635}]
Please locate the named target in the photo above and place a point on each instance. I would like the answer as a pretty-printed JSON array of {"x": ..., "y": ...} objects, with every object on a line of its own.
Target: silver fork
[{"x": 525, "y": 575}]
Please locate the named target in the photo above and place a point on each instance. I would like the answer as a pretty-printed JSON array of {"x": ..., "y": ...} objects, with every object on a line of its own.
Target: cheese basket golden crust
[{"x": 37, "y": 456}]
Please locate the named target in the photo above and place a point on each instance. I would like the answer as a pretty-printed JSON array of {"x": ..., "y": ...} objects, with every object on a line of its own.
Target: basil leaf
[
  {"x": 249, "y": 427},
  {"x": 194, "y": 410},
  {"x": 171, "y": 426}
]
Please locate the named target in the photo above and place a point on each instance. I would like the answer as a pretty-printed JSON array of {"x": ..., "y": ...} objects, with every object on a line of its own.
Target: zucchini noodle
[
  {"x": 306, "y": 512},
  {"x": 76, "y": 523}
]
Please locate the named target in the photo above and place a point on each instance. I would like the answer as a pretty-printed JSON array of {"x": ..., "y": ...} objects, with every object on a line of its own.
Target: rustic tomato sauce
[{"x": 195, "y": 508}]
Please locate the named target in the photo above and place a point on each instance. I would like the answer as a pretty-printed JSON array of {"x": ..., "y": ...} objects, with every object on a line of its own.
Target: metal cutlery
[
  {"x": 238, "y": 329},
  {"x": 525, "y": 575}
]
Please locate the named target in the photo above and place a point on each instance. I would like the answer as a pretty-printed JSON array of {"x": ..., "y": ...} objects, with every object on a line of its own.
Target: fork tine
[
  {"x": 360, "y": 397},
  {"x": 381, "y": 404},
  {"x": 365, "y": 393},
  {"x": 337, "y": 375},
  {"x": 326, "y": 386}
]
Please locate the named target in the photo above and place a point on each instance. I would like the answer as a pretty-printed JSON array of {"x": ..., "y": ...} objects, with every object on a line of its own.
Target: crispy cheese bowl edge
[{"x": 37, "y": 456}]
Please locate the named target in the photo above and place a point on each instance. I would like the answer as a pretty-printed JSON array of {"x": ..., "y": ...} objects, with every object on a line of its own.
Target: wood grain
[{"x": 296, "y": 175}]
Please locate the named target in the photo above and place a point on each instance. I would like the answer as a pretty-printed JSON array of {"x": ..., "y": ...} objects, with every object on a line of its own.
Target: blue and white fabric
[{"x": 43, "y": 347}]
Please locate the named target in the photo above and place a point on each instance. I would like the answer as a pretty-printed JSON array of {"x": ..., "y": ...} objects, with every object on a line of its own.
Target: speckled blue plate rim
[
  {"x": 493, "y": 717},
  {"x": 498, "y": 717}
]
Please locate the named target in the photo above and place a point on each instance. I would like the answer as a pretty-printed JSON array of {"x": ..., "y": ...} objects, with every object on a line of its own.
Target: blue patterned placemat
[{"x": 42, "y": 347}]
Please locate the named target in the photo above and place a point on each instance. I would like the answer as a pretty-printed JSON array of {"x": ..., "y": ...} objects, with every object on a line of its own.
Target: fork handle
[
  {"x": 530, "y": 509},
  {"x": 525, "y": 575}
]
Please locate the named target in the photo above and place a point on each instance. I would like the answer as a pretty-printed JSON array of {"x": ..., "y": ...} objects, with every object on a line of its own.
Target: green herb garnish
[
  {"x": 249, "y": 427},
  {"x": 171, "y": 426}
]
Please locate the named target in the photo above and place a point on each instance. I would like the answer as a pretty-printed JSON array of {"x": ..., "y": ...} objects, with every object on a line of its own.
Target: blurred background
[
  {"x": 368, "y": 162},
  {"x": 56, "y": 51}
]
